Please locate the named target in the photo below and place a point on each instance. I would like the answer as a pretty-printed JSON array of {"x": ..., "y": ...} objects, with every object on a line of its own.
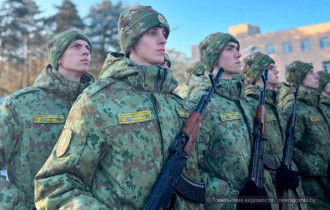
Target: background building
[{"x": 308, "y": 44}]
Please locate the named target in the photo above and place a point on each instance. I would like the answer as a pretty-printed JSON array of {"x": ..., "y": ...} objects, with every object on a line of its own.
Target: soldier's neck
[{"x": 304, "y": 88}]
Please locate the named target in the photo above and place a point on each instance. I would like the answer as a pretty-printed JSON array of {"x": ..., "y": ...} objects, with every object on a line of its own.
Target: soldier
[
  {"x": 116, "y": 139},
  {"x": 324, "y": 90},
  {"x": 31, "y": 119},
  {"x": 224, "y": 147},
  {"x": 253, "y": 68},
  {"x": 311, "y": 147},
  {"x": 167, "y": 62}
]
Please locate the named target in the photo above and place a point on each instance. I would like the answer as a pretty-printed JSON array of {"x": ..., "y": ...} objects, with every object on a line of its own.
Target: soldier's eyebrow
[{"x": 231, "y": 45}]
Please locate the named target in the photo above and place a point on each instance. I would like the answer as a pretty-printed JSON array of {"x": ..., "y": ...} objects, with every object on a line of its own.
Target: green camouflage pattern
[
  {"x": 58, "y": 45},
  {"x": 225, "y": 143},
  {"x": 109, "y": 165},
  {"x": 133, "y": 23},
  {"x": 211, "y": 47},
  {"x": 275, "y": 133},
  {"x": 24, "y": 144},
  {"x": 196, "y": 69},
  {"x": 296, "y": 71},
  {"x": 254, "y": 65},
  {"x": 324, "y": 78},
  {"x": 325, "y": 106},
  {"x": 311, "y": 148}
]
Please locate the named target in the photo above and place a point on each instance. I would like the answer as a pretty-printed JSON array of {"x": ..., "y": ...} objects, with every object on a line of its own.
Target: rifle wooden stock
[
  {"x": 261, "y": 118},
  {"x": 191, "y": 128}
]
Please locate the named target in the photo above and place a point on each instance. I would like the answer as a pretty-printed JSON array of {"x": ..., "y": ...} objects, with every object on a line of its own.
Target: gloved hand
[
  {"x": 252, "y": 191},
  {"x": 286, "y": 178}
]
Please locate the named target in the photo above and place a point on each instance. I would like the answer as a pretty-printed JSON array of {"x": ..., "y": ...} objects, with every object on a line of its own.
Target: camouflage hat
[
  {"x": 211, "y": 47},
  {"x": 296, "y": 71},
  {"x": 58, "y": 45},
  {"x": 254, "y": 65},
  {"x": 324, "y": 78},
  {"x": 133, "y": 23},
  {"x": 167, "y": 59}
]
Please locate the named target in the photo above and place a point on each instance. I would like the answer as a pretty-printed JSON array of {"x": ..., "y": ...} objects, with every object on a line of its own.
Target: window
[
  {"x": 305, "y": 45},
  {"x": 324, "y": 42},
  {"x": 287, "y": 47},
  {"x": 270, "y": 49},
  {"x": 254, "y": 49},
  {"x": 326, "y": 66}
]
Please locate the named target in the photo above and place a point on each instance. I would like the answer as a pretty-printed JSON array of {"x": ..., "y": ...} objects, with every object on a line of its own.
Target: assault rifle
[
  {"x": 171, "y": 180},
  {"x": 287, "y": 155},
  {"x": 260, "y": 159}
]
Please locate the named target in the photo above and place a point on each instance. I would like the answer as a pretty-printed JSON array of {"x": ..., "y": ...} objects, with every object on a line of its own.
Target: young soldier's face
[
  {"x": 165, "y": 64},
  {"x": 230, "y": 59},
  {"x": 75, "y": 60},
  {"x": 150, "y": 49},
  {"x": 272, "y": 75},
  {"x": 311, "y": 80}
]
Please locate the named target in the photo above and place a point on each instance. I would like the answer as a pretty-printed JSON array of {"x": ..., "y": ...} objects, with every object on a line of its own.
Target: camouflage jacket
[
  {"x": 325, "y": 106},
  {"x": 275, "y": 132},
  {"x": 31, "y": 121},
  {"x": 225, "y": 140},
  {"x": 311, "y": 149},
  {"x": 116, "y": 140}
]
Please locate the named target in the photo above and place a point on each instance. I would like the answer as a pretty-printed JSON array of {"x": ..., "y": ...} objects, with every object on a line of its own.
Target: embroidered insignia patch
[
  {"x": 42, "y": 118},
  {"x": 135, "y": 117},
  {"x": 230, "y": 116},
  {"x": 63, "y": 142},
  {"x": 182, "y": 113},
  {"x": 161, "y": 19},
  {"x": 316, "y": 118},
  {"x": 270, "y": 118}
]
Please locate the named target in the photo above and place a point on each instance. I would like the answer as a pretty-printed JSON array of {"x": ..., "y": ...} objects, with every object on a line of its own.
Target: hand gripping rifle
[
  {"x": 171, "y": 180},
  {"x": 287, "y": 155},
  {"x": 260, "y": 158}
]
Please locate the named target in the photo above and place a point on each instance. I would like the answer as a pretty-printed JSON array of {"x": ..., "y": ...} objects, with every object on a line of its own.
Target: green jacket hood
[
  {"x": 231, "y": 89},
  {"x": 325, "y": 100},
  {"x": 254, "y": 91},
  {"x": 287, "y": 94},
  {"x": 52, "y": 81},
  {"x": 152, "y": 78}
]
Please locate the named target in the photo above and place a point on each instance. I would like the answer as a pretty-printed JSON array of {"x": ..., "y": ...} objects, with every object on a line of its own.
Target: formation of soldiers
[{"x": 68, "y": 142}]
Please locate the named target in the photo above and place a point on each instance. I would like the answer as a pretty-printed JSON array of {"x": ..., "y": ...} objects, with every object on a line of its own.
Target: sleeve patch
[{"x": 63, "y": 142}]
